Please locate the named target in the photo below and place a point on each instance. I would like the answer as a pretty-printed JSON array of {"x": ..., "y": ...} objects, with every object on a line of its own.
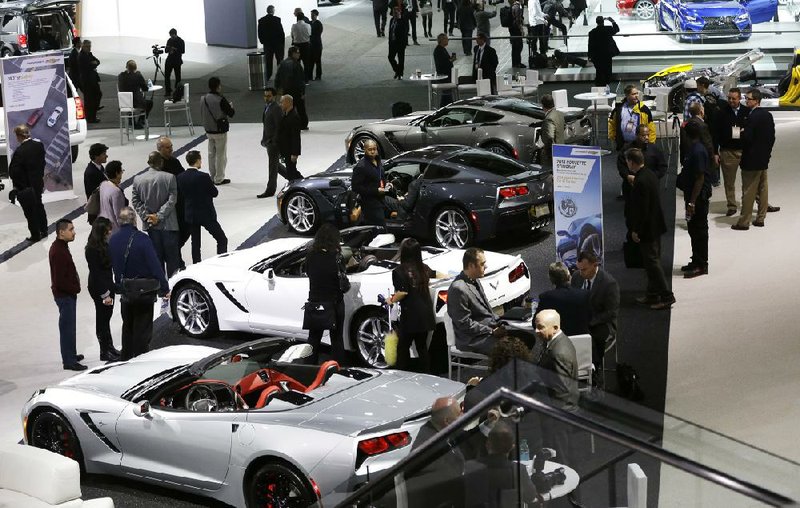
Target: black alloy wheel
[
  {"x": 277, "y": 486},
  {"x": 52, "y": 432}
]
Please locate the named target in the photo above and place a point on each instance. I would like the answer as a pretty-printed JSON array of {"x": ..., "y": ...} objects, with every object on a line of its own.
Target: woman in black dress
[
  {"x": 101, "y": 286},
  {"x": 323, "y": 265},
  {"x": 416, "y": 307}
]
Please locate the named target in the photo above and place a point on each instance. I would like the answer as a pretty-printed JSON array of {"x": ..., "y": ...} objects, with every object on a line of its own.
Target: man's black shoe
[
  {"x": 758, "y": 223},
  {"x": 75, "y": 366},
  {"x": 79, "y": 358},
  {"x": 664, "y": 304},
  {"x": 33, "y": 239},
  {"x": 266, "y": 194},
  {"x": 731, "y": 212},
  {"x": 737, "y": 227},
  {"x": 688, "y": 268},
  {"x": 224, "y": 182},
  {"x": 109, "y": 356},
  {"x": 696, "y": 272},
  {"x": 43, "y": 234},
  {"x": 771, "y": 209}
]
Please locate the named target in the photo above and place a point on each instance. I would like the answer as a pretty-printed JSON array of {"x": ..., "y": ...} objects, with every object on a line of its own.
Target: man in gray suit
[
  {"x": 154, "y": 196},
  {"x": 475, "y": 324},
  {"x": 552, "y": 131},
  {"x": 604, "y": 302},
  {"x": 271, "y": 119}
]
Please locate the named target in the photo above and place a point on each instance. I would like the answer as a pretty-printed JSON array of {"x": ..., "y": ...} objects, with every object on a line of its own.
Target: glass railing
[{"x": 604, "y": 451}]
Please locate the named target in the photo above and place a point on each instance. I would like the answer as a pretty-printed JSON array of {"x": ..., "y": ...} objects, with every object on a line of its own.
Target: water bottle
[
  {"x": 505, "y": 78},
  {"x": 524, "y": 451},
  {"x": 149, "y": 83}
]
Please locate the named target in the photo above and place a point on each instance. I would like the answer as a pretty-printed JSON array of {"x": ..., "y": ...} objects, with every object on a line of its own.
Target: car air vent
[{"x": 356, "y": 374}]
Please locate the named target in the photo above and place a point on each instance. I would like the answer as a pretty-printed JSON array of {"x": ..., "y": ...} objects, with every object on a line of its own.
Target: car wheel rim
[
  {"x": 358, "y": 148},
  {"x": 50, "y": 433},
  {"x": 194, "y": 312},
  {"x": 370, "y": 341},
  {"x": 276, "y": 489},
  {"x": 452, "y": 229},
  {"x": 300, "y": 213},
  {"x": 645, "y": 9}
]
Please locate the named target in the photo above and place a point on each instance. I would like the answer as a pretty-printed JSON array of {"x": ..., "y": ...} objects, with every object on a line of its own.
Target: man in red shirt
[{"x": 66, "y": 285}]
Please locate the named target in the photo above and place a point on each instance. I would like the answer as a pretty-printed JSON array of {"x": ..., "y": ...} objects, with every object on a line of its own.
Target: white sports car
[
  {"x": 251, "y": 426},
  {"x": 263, "y": 289}
]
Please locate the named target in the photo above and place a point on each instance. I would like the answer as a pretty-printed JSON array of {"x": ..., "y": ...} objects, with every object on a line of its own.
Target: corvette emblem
[{"x": 494, "y": 286}]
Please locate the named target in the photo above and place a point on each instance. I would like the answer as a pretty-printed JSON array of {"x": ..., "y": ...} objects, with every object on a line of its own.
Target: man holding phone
[{"x": 444, "y": 66}]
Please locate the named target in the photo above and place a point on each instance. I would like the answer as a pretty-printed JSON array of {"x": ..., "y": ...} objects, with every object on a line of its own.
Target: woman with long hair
[
  {"x": 323, "y": 266},
  {"x": 101, "y": 286},
  {"x": 411, "y": 283}
]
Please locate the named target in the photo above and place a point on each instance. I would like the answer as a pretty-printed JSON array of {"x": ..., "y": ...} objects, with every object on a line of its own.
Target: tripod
[
  {"x": 157, "y": 61},
  {"x": 673, "y": 137}
]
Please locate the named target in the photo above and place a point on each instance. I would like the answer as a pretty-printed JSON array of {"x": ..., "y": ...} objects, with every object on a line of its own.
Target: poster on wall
[
  {"x": 578, "y": 198},
  {"x": 35, "y": 94}
]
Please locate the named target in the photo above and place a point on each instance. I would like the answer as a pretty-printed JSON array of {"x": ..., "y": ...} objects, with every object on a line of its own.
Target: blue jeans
[
  {"x": 167, "y": 246},
  {"x": 67, "y": 306}
]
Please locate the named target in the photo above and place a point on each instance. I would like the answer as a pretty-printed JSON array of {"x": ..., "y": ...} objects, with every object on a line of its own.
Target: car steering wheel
[{"x": 201, "y": 398}]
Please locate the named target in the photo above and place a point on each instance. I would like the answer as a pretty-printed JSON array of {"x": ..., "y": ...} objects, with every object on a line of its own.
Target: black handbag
[
  {"x": 144, "y": 290},
  {"x": 632, "y": 254},
  {"x": 223, "y": 125},
  {"x": 318, "y": 316},
  {"x": 344, "y": 282}
]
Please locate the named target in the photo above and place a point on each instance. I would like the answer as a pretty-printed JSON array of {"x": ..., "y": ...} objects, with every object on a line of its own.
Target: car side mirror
[
  {"x": 336, "y": 182},
  {"x": 423, "y": 127},
  {"x": 142, "y": 409},
  {"x": 270, "y": 276},
  {"x": 562, "y": 233}
]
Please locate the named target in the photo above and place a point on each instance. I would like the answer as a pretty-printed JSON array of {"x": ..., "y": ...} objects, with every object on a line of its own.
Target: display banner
[
  {"x": 35, "y": 93},
  {"x": 578, "y": 198}
]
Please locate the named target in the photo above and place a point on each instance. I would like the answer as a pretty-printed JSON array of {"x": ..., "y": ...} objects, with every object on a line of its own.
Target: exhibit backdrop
[
  {"x": 578, "y": 199},
  {"x": 35, "y": 94}
]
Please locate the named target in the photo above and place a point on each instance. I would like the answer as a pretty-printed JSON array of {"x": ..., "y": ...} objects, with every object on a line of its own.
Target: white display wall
[{"x": 151, "y": 19}]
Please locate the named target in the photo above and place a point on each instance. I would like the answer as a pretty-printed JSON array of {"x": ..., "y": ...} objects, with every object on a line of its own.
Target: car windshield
[{"x": 491, "y": 163}]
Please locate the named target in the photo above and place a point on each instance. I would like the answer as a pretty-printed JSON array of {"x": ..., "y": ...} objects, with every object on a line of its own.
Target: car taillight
[
  {"x": 22, "y": 40},
  {"x": 75, "y": 32},
  {"x": 474, "y": 218},
  {"x": 79, "y": 113},
  {"x": 515, "y": 153},
  {"x": 520, "y": 271},
  {"x": 513, "y": 191},
  {"x": 382, "y": 444},
  {"x": 441, "y": 300}
]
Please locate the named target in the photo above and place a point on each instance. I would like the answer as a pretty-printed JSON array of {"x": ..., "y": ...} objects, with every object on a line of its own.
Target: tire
[
  {"x": 302, "y": 213},
  {"x": 74, "y": 150},
  {"x": 452, "y": 229},
  {"x": 500, "y": 149},
  {"x": 644, "y": 9},
  {"x": 275, "y": 484},
  {"x": 676, "y": 99},
  {"x": 368, "y": 330},
  {"x": 194, "y": 311},
  {"x": 52, "y": 432},
  {"x": 357, "y": 147}
]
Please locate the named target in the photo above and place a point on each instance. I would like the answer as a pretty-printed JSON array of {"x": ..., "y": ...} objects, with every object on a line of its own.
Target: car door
[
  {"x": 438, "y": 183},
  {"x": 275, "y": 300},
  {"x": 761, "y": 11},
  {"x": 182, "y": 447},
  {"x": 452, "y": 126}
]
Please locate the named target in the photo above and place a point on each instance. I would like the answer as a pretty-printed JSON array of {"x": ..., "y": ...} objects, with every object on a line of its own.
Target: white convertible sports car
[
  {"x": 252, "y": 425},
  {"x": 263, "y": 289}
]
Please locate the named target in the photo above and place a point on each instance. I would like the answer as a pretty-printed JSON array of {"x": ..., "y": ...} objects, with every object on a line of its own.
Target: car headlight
[
  {"x": 692, "y": 18},
  {"x": 743, "y": 17}
]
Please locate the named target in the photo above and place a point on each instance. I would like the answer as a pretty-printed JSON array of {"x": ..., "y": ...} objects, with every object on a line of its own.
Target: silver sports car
[
  {"x": 504, "y": 125},
  {"x": 251, "y": 426}
]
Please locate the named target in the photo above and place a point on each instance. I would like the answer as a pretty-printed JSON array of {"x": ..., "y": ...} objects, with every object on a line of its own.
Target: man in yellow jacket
[{"x": 625, "y": 118}]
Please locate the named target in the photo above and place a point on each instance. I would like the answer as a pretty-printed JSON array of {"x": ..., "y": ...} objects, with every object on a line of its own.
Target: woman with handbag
[
  {"x": 416, "y": 308},
  {"x": 327, "y": 285},
  {"x": 101, "y": 286}
]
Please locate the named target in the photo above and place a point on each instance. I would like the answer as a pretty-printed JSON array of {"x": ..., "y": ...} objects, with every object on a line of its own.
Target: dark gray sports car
[
  {"x": 465, "y": 195},
  {"x": 504, "y": 125}
]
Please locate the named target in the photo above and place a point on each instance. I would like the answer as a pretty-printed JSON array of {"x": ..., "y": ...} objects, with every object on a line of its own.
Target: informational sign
[
  {"x": 35, "y": 94},
  {"x": 578, "y": 198}
]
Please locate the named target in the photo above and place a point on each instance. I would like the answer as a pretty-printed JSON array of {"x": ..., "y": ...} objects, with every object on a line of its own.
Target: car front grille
[{"x": 720, "y": 24}]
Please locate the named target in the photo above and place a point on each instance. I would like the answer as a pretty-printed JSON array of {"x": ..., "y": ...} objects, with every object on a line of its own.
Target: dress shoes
[
  {"x": 79, "y": 358},
  {"x": 688, "y": 267},
  {"x": 696, "y": 271},
  {"x": 731, "y": 212},
  {"x": 109, "y": 356},
  {"x": 758, "y": 223},
  {"x": 266, "y": 194},
  {"x": 664, "y": 304},
  {"x": 771, "y": 209},
  {"x": 75, "y": 366},
  {"x": 737, "y": 227},
  {"x": 33, "y": 239},
  {"x": 224, "y": 182}
]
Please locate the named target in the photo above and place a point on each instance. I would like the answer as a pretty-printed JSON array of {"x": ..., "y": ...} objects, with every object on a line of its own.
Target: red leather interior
[
  {"x": 265, "y": 396},
  {"x": 253, "y": 382},
  {"x": 325, "y": 371}
]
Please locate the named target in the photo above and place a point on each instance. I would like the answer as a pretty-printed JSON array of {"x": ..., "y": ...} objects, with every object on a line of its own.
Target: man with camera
[
  {"x": 174, "y": 48},
  {"x": 215, "y": 111}
]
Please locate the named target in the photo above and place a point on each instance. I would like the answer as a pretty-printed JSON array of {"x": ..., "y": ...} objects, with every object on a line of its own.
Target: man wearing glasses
[{"x": 758, "y": 138}]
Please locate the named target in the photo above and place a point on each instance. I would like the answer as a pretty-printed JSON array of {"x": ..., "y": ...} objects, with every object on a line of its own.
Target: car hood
[
  {"x": 390, "y": 397},
  {"x": 714, "y": 9},
  {"x": 115, "y": 379},
  {"x": 450, "y": 261}
]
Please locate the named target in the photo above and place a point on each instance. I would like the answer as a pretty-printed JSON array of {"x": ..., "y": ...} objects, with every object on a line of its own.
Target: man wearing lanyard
[
  {"x": 368, "y": 183},
  {"x": 626, "y": 117}
]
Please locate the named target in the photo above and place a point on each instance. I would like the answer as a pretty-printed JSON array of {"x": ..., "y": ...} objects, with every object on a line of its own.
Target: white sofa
[{"x": 35, "y": 478}]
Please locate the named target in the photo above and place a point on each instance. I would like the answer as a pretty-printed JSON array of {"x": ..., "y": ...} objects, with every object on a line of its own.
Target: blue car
[
  {"x": 712, "y": 19},
  {"x": 583, "y": 233}
]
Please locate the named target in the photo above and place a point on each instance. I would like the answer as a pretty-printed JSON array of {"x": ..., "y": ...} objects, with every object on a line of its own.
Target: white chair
[
  {"x": 484, "y": 87},
  {"x": 182, "y": 106},
  {"x": 601, "y": 105},
  {"x": 469, "y": 89},
  {"x": 637, "y": 487},
  {"x": 505, "y": 90},
  {"x": 438, "y": 88},
  {"x": 532, "y": 83},
  {"x": 456, "y": 357},
  {"x": 583, "y": 352},
  {"x": 562, "y": 102},
  {"x": 128, "y": 116}
]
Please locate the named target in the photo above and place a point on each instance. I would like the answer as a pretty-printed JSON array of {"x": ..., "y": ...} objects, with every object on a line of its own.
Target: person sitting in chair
[{"x": 403, "y": 206}]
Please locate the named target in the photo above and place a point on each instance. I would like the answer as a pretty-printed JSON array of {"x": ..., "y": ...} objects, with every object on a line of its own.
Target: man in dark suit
[
  {"x": 290, "y": 79},
  {"x": 571, "y": 303},
  {"x": 73, "y": 68},
  {"x": 604, "y": 303},
  {"x": 758, "y": 138},
  {"x": 26, "y": 171},
  {"x": 369, "y": 184},
  {"x": 175, "y": 48},
  {"x": 271, "y": 36},
  {"x": 198, "y": 205},
  {"x": 90, "y": 81},
  {"x": 646, "y": 224},
  {"x": 131, "y": 80},
  {"x": 443, "y": 61},
  {"x": 270, "y": 121},
  {"x": 485, "y": 58},
  {"x": 289, "y": 138},
  {"x": 95, "y": 173},
  {"x": 379, "y": 9},
  {"x": 173, "y": 166},
  {"x": 697, "y": 173},
  {"x": 398, "y": 40},
  {"x": 602, "y": 49},
  {"x": 653, "y": 158}
]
